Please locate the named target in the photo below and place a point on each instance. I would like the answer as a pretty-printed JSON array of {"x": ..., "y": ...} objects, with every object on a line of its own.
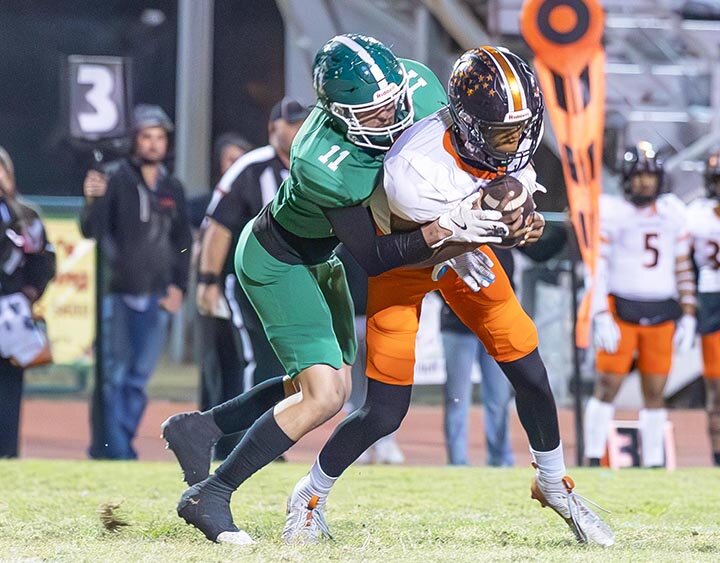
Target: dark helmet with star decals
[
  {"x": 642, "y": 159},
  {"x": 494, "y": 95}
]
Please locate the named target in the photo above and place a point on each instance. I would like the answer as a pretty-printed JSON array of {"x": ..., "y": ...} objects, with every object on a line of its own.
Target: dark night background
[{"x": 37, "y": 35}]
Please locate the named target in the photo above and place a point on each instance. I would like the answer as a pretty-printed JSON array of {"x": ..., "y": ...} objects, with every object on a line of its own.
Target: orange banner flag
[{"x": 565, "y": 36}]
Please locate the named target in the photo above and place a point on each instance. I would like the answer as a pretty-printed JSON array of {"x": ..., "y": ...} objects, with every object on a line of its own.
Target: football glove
[
  {"x": 606, "y": 333},
  {"x": 474, "y": 268},
  {"x": 467, "y": 224},
  {"x": 685, "y": 333}
]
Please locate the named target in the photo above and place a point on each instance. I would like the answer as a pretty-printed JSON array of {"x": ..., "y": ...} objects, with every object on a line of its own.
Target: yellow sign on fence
[{"x": 68, "y": 305}]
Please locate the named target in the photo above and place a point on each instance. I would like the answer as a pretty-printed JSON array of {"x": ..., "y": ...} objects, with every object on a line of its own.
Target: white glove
[
  {"x": 474, "y": 268},
  {"x": 685, "y": 333},
  {"x": 606, "y": 333},
  {"x": 472, "y": 225}
]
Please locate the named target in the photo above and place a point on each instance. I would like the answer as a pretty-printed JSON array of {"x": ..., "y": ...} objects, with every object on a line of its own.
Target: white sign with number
[{"x": 98, "y": 97}]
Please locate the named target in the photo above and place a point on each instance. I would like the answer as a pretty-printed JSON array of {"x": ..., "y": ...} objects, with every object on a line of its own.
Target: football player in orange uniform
[
  {"x": 704, "y": 221},
  {"x": 491, "y": 128},
  {"x": 643, "y": 301}
]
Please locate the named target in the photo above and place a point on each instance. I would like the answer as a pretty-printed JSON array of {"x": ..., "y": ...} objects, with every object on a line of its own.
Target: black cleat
[
  {"x": 191, "y": 436},
  {"x": 207, "y": 507},
  {"x": 594, "y": 462}
]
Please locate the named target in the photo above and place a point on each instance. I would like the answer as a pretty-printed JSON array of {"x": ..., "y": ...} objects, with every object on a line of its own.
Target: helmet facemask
[
  {"x": 638, "y": 193},
  {"x": 638, "y": 162},
  {"x": 478, "y": 139},
  {"x": 359, "y": 118}
]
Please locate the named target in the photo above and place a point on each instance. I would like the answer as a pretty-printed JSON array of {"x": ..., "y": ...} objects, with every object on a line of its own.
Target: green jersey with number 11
[{"x": 328, "y": 171}]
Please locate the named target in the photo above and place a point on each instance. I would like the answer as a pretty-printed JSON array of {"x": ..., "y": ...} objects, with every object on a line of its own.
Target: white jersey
[
  {"x": 640, "y": 246},
  {"x": 704, "y": 227},
  {"x": 424, "y": 177}
]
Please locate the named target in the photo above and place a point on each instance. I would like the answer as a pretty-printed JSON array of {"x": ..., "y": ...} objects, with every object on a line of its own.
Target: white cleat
[
  {"x": 305, "y": 519},
  {"x": 585, "y": 524},
  {"x": 235, "y": 538}
]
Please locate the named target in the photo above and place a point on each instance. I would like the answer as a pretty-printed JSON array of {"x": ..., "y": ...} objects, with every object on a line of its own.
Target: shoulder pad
[{"x": 672, "y": 204}]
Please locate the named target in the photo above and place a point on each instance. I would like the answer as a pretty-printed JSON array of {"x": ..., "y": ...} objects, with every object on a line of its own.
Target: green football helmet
[{"x": 362, "y": 85}]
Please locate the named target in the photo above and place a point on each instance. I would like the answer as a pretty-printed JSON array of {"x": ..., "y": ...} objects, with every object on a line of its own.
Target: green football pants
[{"x": 306, "y": 311}]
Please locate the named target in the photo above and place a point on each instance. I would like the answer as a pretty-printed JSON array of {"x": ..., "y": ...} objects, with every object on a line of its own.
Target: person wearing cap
[
  {"x": 27, "y": 264},
  {"x": 237, "y": 354},
  {"x": 137, "y": 213}
]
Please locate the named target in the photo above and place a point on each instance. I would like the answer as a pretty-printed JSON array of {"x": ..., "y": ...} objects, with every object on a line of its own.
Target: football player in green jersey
[{"x": 286, "y": 265}]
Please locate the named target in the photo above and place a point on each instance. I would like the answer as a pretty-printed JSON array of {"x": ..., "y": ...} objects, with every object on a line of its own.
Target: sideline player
[
  {"x": 286, "y": 265},
  {"x": 492, "y": 127},
  {"x": 704, "y": 221},
  {"x": 644, "y": 284}
]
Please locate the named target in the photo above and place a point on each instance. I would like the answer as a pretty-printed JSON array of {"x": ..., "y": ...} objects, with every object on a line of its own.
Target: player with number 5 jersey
[
  {"x": 643, "y": 299},
  {"x": 286, "y": 264}
]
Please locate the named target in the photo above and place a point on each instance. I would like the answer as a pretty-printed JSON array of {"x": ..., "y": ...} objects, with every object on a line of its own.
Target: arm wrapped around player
[{"x": 380, "y": 253}]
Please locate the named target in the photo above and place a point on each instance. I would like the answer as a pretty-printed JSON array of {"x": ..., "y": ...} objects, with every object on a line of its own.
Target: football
[{"x": 492, "y": 197}]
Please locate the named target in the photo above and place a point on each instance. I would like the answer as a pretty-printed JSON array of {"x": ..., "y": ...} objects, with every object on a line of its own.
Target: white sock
[
  {"x": 596, "y": 423},
  {"x": 550, "y": 465},
  {"x": 316, "y": 483},
  {"x": 652, "y": 436}
]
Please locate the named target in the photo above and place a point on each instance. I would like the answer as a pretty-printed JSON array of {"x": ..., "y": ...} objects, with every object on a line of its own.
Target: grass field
[{"x": 49, "y": 511}]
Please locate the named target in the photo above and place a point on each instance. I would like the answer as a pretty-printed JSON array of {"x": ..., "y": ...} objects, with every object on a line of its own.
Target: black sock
[
  {"x": 384, "y": 409},
  {"x": 260, "y": 445},
  {"x": 716, "y": 458},
  {"x": 534, "y": 400},
  {"x": 239, "y": 413}
]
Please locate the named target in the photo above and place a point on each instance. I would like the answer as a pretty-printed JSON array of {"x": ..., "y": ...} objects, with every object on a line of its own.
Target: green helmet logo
[{"x": 364, "y": 88}]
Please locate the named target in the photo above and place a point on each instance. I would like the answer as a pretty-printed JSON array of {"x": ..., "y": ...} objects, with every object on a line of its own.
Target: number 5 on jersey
[
  {"x": 652, "y": 247},
  {"x": 333, "y": 165}
]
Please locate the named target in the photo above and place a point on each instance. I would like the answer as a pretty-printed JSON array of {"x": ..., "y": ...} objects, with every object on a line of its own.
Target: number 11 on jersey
[{"x": 324, "y": 158}]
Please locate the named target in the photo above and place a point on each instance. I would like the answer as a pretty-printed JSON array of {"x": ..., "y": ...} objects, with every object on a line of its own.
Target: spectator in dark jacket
[
  {"x": 137, "y": 213},
  {"x": 27, "y": 264}
]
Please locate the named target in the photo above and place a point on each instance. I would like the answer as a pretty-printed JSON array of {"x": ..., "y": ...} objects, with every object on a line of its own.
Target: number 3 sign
[{"x": 98, "y": 97}]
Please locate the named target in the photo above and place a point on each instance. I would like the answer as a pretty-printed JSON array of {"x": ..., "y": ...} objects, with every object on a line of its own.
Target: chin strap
[{"x": 642, "y": 201}]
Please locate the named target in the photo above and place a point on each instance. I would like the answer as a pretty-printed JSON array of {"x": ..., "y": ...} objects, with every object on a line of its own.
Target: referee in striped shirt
[{"x": 235, "y": 351}]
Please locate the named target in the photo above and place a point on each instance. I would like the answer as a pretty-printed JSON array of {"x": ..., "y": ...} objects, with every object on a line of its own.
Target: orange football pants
[
  {"x": 652, "y": 344},
  {"x": 711, "y": 355},
  {"x": 393, "y": 315}
]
